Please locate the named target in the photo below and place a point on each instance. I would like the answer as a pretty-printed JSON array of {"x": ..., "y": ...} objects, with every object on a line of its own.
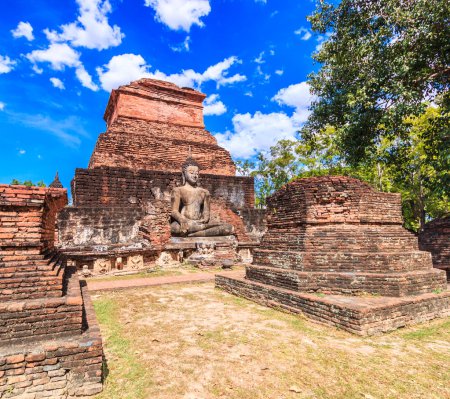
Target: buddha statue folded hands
[{"x": 191, "y": 207}]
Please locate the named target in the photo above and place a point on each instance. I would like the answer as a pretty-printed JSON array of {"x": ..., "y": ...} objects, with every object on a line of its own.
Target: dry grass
[{"x": 195, "y": 342}]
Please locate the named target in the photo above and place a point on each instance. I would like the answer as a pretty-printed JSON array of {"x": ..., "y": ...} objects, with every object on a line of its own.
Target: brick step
[
  {"x": 355, "y": 283},
  {"x": 42, "y": 259},
  {"x": 327, "y": 261},
  {"x": 49, "y": 271}
]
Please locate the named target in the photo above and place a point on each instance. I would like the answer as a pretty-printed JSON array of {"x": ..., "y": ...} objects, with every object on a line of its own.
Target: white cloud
[
  {"x": 85, "y": 79},
  {"x": 122, "y": 69},
  {"x": 24, "y": 29},
  {"x": 260, "y": 58},
  {"x": 279, "y": 72},
  {"x": 180, "y": 14},
  {"x": 297, "y": 96},
  {"x": 183, "y": 46},
  {"x": 213, "y": 106},
  {"x": 57, "y": 83},
  {"x": 91, "y": 30},
  {"x": 2, "y": 106},
  {"x": 321, "y": 39},
  {"x": 59, "y": 56},
  {"x": 6, "y": 64},
  {"x": 22, "y": 152},
  {"x": 304, "y": 33},
  {"x": 68, "y": 130},
  {"x": 254, "y": 133}
]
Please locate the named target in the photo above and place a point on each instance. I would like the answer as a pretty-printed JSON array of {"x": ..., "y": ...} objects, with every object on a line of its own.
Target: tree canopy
[{"x": 384, "y": 62}]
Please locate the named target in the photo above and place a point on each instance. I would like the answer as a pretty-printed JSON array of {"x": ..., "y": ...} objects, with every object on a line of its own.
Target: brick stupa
[
  {"x": 435, "y": 237},
  {"x": 50, "y": 345},
  {"x": 336, "y": 250},
  {"x": 121, "y": 202}
]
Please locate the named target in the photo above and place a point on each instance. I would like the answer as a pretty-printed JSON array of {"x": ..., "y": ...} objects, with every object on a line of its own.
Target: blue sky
[{"x": 60, "y": 59}]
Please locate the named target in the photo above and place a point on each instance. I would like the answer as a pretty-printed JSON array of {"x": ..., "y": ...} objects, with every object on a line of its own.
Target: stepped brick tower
[
  {"x": 435, "y": 238},
  {"x": 337, "y": 237},
  {"x": 49, "y": 340},
  {"x": 121, "y": 202},
  {"x": 152, "y": 125}
]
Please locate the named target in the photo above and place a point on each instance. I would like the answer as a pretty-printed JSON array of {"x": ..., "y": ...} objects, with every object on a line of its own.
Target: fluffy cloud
[
  {"x": 2, "y": 106},
  {"x": 84, "y": 78},
  {"x": 304, "y": 33},
  {"x": 180, "y": 14},
  {"x": 254, "y": 133},
  {"x": 57, "y": 83},
  {"x": 24, "y": 29},
  {"x": 258, "y": 132},
  {"x": 297, "y": 96},
  {"x": 59, "y": 56},
  {"x": 91, "y": 30},
  {"x": 122, "y": 69},
  {"x": 279, "y": 72},
  {"x": 213, "y": 106},
  {"x": 6, "y": 64}
]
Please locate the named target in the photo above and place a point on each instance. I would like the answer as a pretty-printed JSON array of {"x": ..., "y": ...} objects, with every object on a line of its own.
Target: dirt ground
[{"x": 193, "y": 341}]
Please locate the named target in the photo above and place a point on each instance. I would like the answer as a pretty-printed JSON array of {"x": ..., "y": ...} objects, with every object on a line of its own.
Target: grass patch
[
  {"x": 191, "y": 341},
  {"x": 126, "y": 377},
  {"x": 432, "y": 332}
]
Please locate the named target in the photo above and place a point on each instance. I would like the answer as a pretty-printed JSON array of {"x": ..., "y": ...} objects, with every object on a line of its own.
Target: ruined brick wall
[
  {"x": 121, "y": 206},
  {"x": 95, "y": 226},
  {"x": 153, "y": 125},
  {"x": 41, "y": 301},
  {"x": 435, "y": 238},
  {"x": 336, "y": 234},
  {"x": 125, "y": 187}
]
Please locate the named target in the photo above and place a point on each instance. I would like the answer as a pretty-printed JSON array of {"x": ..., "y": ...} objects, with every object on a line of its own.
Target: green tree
[{"x": 381, "y": 62}]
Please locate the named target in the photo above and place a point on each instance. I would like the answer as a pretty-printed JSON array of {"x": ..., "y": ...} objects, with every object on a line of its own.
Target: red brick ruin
[
  {"x": 50, "y": 345},
  {"x": 435, "y": 238},
  {"x": 336, "y": 250},
  {"x": 121, "y": 203}
]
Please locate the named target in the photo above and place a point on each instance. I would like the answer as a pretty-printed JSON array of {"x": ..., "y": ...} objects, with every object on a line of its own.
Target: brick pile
[
  {"x": 336, "y": 236},
  {"x": 50, "y": 344},
  {"x": 435, "y": 237}
]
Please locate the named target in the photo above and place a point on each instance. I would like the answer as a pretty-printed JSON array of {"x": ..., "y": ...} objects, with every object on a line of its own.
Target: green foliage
[
  {"x": 410, "y": 166},
  {"x": 381, "y": 61},
  {"x": 28, "y": 183}
]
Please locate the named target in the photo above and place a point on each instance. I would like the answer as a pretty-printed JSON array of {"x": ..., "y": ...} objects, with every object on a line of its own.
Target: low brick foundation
[
  {"x": 69, "y": 367},
  {"x": 358, "y": 315}
]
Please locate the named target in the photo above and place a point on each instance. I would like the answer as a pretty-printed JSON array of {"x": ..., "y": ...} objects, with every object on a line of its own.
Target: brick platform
[
  {"x": 336, "y": 236},
  {"x": 50, "y": 345},
  {"x": 435, "y": 238}
]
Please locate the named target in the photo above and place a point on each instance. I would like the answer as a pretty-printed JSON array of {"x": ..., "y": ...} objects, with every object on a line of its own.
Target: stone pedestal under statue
[{"x": 336, "y": 251}]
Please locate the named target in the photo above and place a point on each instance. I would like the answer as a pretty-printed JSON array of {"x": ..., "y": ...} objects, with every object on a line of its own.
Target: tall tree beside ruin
[{"x": 383, "y": 60}]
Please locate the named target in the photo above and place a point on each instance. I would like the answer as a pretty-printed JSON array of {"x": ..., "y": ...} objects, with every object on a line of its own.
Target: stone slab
[{"x": 360, "y": 315}]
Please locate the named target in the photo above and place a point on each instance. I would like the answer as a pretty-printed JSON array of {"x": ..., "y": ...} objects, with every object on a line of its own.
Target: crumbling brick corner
[{"x": 50, "y": 344}]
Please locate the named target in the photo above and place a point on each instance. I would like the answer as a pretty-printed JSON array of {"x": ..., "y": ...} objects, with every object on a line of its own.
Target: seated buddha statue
[{"x": 191, "y": 207}]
